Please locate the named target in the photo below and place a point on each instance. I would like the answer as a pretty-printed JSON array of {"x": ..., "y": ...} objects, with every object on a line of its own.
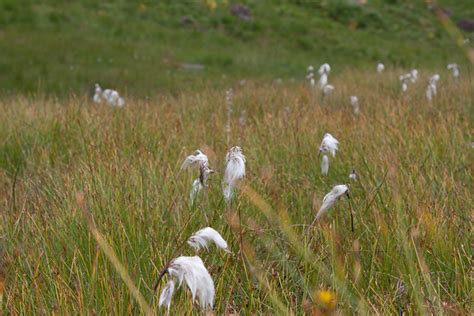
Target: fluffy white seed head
[
  {"x": 195, "y": 189},
  {"x": 325, "y": 165},
  {"x": 404, "y": 87},
  {"x": 323, "y": 81},
  {"x": 380, "y": 68},
  {"x": 234, "y": 171},
  {"x": 331, "y": 198},
  {"x": 454, "y": 69},
  {"x": 324, "y": 69},
  {"x": 405, "y": 79},
  {"x": 98, "y": 94},
  {"x": 355, "y": 104},
  {"x": 353, "y": 175},
  {"x": 414, "y": 75},
  {"x": 310, "y": 68},
  {"x": 167, "y": 294},
  {"x": 329, "y": 144},
  {"x": 121, "y": 102},
  {"x": 192, "y": 271},
  {"x": 430, "y": 91},
  {"x": 434, "y": 79},
  {"x": 107, "y": 93},
  {"x": 195, "y": 160},
  {"x": 201, "y": 182},
  {"x": 202, "y": 239},
  {"x": 327, "y": 89}
]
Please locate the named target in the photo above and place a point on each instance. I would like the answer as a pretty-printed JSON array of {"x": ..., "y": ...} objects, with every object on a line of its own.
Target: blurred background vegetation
[{"x": 145, "y": 47}]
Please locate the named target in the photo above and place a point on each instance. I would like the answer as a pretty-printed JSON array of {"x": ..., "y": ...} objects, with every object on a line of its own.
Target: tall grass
[{"x": 411, "y": 249}]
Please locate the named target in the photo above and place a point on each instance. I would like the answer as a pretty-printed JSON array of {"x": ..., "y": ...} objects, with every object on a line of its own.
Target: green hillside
[{"x": 139, "y": 47}]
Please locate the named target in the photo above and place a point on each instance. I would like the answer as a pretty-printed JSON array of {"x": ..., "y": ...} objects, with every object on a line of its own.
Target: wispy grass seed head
[
  {"x": 195, "y": 160},
  {"x": 202, "y": 239},
  {"x": 454, "y": 70},
  {"x": 380, "y": 68},
  {"x": 329, "y": 144},
  {"x": 192, "y": 271},
  {"x": 235, "y": 171},
  {"x": 331, "y": 198}
]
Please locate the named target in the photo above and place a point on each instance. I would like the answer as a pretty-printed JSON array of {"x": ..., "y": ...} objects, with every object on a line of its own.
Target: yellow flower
[{"x": 327, "y": 299}]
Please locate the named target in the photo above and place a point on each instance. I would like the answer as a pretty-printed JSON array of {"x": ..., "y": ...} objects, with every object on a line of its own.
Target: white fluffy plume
[
  {"x": 331, "y": 198},
  {"x": 234, "y": 171},
  {"x": 414, "y": 75},
  {"x": 405, "y": 79},
  {"x": 201, "y": 182},
  {"x": 454, "y": 69},
  {"x": 202, "y": 239},
  {"x": 431, "y": 89},
  {"x": 327, "y": 89},
  {"x": 98, "y": 94},
  {"x": 324, "y": 69},
  {"x": 111, "y": 97},
  {"x": 353, "y": 175},
  {"x": 197, "y": 160},
  {"x": 355, "y": 104},
  {"x": 380, "y": 68},
  {"x": 325, "y": 165},
  {"x": 329, "y": 144},
  {"x": 167, "y": 294},
  {"x": 196, "y": 277},
  {"x": 323, "y": 81},
  {"x": 196, "y": 188}
]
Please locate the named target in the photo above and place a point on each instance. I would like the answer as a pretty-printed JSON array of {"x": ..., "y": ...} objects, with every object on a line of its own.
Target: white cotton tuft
[
  {"x": 234, "y": 171},
  {"x": 434, "y": 79},
  {"x": 329, "y": 144},
  {"x": 414, "y": 75},
  {"x": 431, "y": 89},
  {"x": 323, "y": 81},
  {"x": 201, "y": 182},
  {"x": 195, "y": 160},
  {"x": 111, "y": 97},
  {"x": 167, "y": 294},
  {"x": 98, "y": 94},
  {"x": 327, "y": 89},
  {"x": 324, "y": 69},
  {"x": 380, "y": 68},
  {"x": 196, "y": 188},
  {"x": 353, "y": 175},
  {"x": 331, "y": 198},
  {"x": 202, "y": 239},
  {"x": 455, "y": 70},
  {"x": 325, "y": 165},
  {"x": 192, "y": 271},
  {"x": 355, "y": 104},
  {"x": 405, "y": 79},
  {"x": 121, "y": 102},
  {"x": 404, "y": 87}
]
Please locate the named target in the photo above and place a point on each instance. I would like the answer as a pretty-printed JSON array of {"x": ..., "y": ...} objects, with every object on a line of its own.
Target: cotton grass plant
[{"x": 409, "y": 252}]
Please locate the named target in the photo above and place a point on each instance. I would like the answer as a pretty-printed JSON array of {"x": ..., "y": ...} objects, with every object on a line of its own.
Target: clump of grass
[{"x": 410, "y": 250}]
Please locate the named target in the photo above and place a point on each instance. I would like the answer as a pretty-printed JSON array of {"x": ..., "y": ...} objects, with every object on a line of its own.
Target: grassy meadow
[
  {"x": 81, "y": 184},
  {"x": 140, "y": 46}
]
